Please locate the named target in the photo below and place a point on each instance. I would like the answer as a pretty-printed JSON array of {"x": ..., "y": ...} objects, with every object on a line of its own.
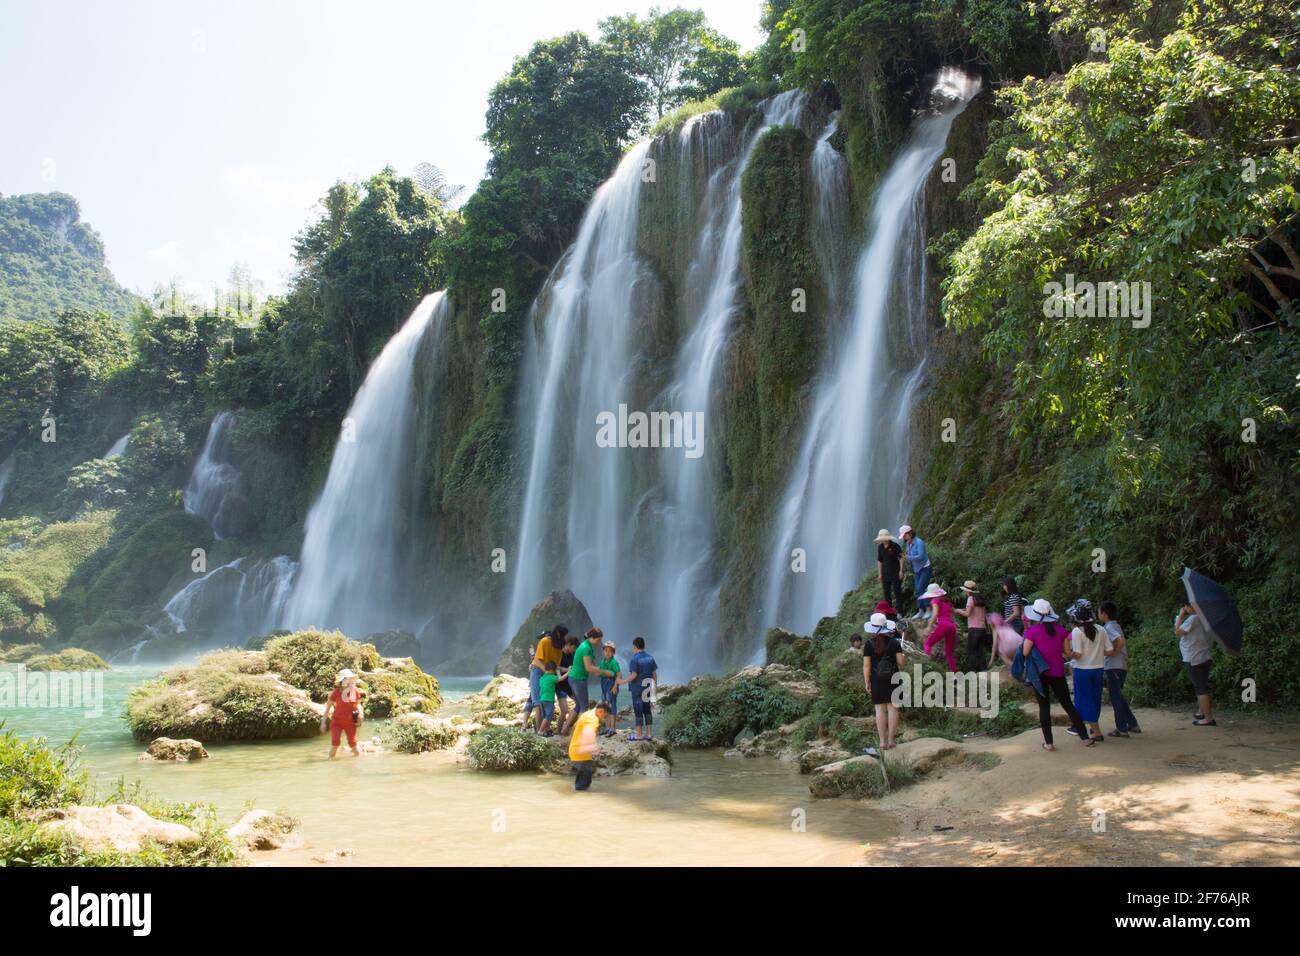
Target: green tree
[{"x": 675, "y": 55}]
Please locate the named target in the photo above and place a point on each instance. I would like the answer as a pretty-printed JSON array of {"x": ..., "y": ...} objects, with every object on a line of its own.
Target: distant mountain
[{"x": 51, "y": 261}]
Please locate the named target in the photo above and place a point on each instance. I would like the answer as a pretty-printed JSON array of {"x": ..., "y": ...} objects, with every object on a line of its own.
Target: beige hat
[
  {"x": 970, "y": 586},
  {"x": 883, "y": 535}
]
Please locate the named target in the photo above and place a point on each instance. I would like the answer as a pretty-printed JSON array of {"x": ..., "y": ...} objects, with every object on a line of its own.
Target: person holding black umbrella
[{"x": 1197, "y": 648}]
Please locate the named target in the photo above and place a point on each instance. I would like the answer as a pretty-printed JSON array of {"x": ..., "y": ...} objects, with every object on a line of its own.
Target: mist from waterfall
[
  {"x": 359, "y": 556},
  {"x": 850, "y": 474}
]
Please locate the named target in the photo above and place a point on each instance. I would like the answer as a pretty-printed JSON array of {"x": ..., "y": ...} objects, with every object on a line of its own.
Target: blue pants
[
  {"x": 640, "y": 708},
  {"x": 922, "y": 582},
  {"x": 1124, "y": 719},
  {"x": 581, "y": 694},
  {"x": 534, "y": 689}
]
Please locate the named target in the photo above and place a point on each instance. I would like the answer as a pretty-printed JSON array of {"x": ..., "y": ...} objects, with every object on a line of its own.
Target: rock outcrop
[
  {"x": 645, "y": 758},
  {"x": 117, "y": 826},
  {"x": 167, "y": 748},
  {"x": 558, "y": 607},
  {"x": 264, "y": 830}
]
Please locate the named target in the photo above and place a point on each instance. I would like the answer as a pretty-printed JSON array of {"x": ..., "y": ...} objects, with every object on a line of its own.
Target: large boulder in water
[{"x": 558, "y": 607}]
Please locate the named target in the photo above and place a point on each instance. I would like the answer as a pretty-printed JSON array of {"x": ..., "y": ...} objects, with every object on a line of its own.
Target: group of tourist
[
  {"x": 1094, "y": 644},
  {"x": 560, "y": 673}
]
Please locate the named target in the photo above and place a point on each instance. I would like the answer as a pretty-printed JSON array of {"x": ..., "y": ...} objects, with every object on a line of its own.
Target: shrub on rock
[
  {"x": 418, "y": 733},
  {"x": 506, "y": 748},
  {"x": 311, "y": 659}
]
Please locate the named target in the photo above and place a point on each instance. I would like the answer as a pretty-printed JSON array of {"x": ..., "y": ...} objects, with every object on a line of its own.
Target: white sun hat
[
  {"x": 1040, "y": 611},
  {"x": 883, "y": 535},
  {"x": 891, "y": 625},
  {"x": 878, "y": 624},
  {"x": 343, "y": 675},
  {"x": 904, "y": 530},
  {"x": 933, "y": 591}
]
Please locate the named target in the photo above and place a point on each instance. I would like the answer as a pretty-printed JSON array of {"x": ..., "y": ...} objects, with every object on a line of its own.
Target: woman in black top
[
  {"x": 1013, "y": 605},
  {"x": 882, "y": 657},
  {"x": 563, "y": 689}
]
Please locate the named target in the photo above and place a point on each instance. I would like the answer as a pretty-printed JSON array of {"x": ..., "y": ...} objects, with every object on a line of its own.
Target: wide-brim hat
[
  {"x": 1040, "y": 610},
  {"x": 877, "y": 623},
  {"x": 891, "y": 625},
  {"x": 343, "y": 675},
  {"x": 934, "y": 591},
  {"x": 883, "y": 535}
]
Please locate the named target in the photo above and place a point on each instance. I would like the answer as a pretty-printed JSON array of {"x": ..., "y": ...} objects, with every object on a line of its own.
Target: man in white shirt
[{"x": 1197, "y": 647}]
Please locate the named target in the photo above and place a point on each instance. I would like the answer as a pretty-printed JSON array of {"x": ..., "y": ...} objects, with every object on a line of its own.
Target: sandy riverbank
[{"x": 1175, "y": 795}]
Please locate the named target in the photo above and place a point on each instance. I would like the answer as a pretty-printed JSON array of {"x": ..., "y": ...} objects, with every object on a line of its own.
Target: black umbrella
[{"x": 1215, "y": 608}]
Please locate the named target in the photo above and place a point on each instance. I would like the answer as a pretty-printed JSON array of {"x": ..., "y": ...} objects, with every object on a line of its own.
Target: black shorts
[
  {"x": 882, "y": 689},
  {"x": 1200, "y": 675},
  {"x": 564, "y": 689}
]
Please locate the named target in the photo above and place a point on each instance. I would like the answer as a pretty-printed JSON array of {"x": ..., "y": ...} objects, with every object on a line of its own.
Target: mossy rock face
[
  {"x": 228, "y": 695},
  {"x": 70, "y": 659},
  {"x": 558, "y": 607},
  {"x": 712, "y": 712},
  {"x": 143, "y": 566},
  {"x": 398, "y": 687}
]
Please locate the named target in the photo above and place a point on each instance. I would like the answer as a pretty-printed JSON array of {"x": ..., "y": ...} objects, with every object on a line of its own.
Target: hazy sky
[{"x": 200, "y": 134}]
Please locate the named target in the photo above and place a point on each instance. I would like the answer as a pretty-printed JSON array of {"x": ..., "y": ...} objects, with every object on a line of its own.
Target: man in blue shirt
[
  {"x": 919, "y": 561},
  {"x": 642, "y": 672}
]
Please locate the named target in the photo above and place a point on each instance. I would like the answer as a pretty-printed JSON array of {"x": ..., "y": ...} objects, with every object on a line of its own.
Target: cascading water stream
[
  {"x": 357, "y": 570},
  {"x": 850, "y": 474},
  {"x": 119, "y": 447},
  {"x": 632, "y": 531},
  {"x": 686, "y": 593},
  {"x": 214, "y": 478},
  {"x": 576, "y": 371},
  {"x": 6, "y": 472}
]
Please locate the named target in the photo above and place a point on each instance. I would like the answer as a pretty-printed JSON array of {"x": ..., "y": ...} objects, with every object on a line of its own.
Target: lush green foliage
[
  {"x": 417, "y": 733},
  {"x": 35, "y": 777},
  {"x": 714, "y": 711},
  {"x": 508, "y": 748}
]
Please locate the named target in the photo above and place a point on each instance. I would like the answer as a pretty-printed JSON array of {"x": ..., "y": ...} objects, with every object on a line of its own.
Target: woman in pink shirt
[
  {"x": 945, "y": 628},
  {"x": 1053, "y": 642},
  {"x": 977, "y": 626}
]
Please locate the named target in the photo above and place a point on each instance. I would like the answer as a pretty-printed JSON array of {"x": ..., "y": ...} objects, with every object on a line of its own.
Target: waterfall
[
  {"x": 118, "y": 448},
  {"x": 850, "y": 474},
  {"x": 214, "y": 478},
  {"x": 686, "y": 614},
  {"x": 233, "y": 602},
  {"x": 632, "y": 531},
  {"x": 358, "y": 553},
  {"x": 6, "y": 472}
]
